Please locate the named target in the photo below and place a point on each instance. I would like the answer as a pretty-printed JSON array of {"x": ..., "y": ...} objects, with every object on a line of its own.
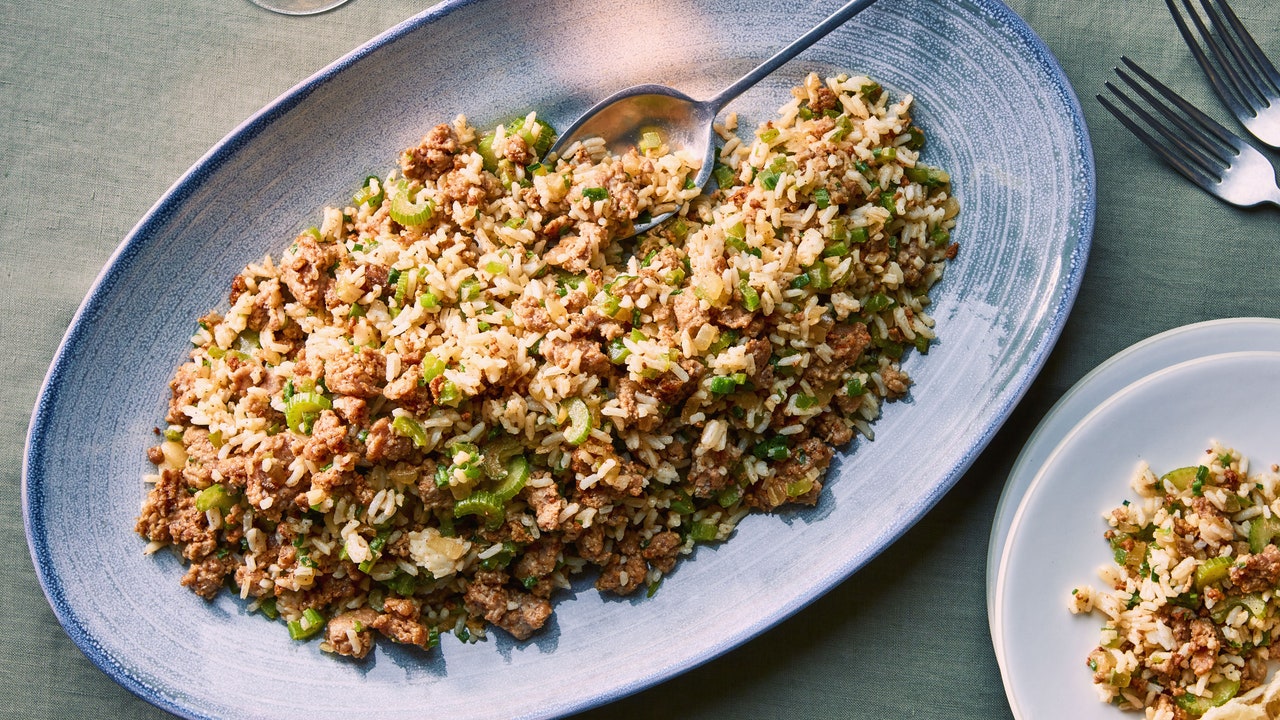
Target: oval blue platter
[{"x": 999, "y": 114}]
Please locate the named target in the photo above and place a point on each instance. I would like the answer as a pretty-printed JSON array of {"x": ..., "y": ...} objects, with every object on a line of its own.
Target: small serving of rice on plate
[
  {"x": 1189, "y": 605},
  {"x": 470, "y": 384}
]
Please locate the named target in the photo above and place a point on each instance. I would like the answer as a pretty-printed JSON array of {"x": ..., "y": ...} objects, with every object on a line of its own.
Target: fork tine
[
  {"x": 1243, "y": 67},
  {"x": 1192, "y": 173},
  {"x": 1192, "y": 156},
  {"x": 1263, "y": 64},
  {"x": 1206, "y": 123},
  {"x": 1222, "y": 82}
]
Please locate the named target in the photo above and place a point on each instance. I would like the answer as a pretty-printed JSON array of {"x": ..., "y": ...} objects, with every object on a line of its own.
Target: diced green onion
[
  {"x": 889, "y": 202},
  {"x": 723, "y": 175},
  {"x": 431, "y": 367},
  {"x": 450, "y": 394},
  {"x": 727, "y": 498},
  {"x": 723, "y": 385},
  {"x": 775, "y": 448},
  {"x": 469, "y": 289},
  {"x": 801, "y": 280},
  {"x": 580, "y": 422},
  {"x": 822, "y": 197},
  {"x": 804, "y": 402},
  {"x": 885, "y": 154},
  {"x": 916, "y": 138},
  {"x": 854, "y": 387},
  {"x": 370, "y": 194},
  {"x": 402, "y": 584},
  {"x": 871, "y": 92},
  {"x": 682, "y": 505},
  {"x": 836, "y": 250},
  {"x": 750, "y": 297},
  {"x": 502, "y": 558},
  {"x": 473, "y": 466},
  {"x": 727, "y": 338},
  {"x": 927, "y": 176},
  {"x": 214, "y": 496},
  {"x": 493, "y": 267},
  {"x": 618, "y": 351},
  {"x": 357, "y": 310},
  {"x": 407, "y": 212},
  {"x": 768, "y": 135},
  {"x": 311, "y": 623},
  {"x": 820, "y": 276},
  {"x": 595, "y": 193},
  {"x": 843, "y": 126},
  {"x": 301, "y": 409},
  {"x": 704, "y": 531},
  {"x": 314, "y": 232},
  {"x": 410, "y": 428},
  {"x": 859, "y": 235},
  {"x": 268, "y": 607},
  {"x": 878, "y": 302}
]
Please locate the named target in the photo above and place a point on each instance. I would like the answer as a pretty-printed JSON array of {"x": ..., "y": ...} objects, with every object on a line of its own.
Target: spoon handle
[{"x": 837, "y": 19}]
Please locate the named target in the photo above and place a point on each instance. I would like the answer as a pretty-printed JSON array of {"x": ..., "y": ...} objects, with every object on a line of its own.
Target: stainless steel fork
[
  {"x": 1193, "y": 143},
  {"x": 1240, "y": 73}
]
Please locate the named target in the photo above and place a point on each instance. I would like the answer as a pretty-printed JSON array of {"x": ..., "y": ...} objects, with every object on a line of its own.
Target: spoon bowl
[
  {"x": 623, "y": 117},
  {"x": 681, "y": 121}
]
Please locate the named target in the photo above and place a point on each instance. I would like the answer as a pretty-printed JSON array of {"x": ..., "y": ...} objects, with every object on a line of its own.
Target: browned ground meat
[
  {"x": 305, "y": 271},
  {"x": 385, "y": 444},
  {"x": 359, "y": 622},
  {"x": 489, "y": 597},
  {"x": 1259, "y": 572},
  {"x": 847, "y": 343},
  {"x": 360, "y": 374},
  {"x": 432, "y": 156},
  {"x": 402, "y": 622}
]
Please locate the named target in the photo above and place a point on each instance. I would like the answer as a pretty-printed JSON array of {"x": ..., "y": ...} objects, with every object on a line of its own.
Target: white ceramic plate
[
  {"x": 1212, "y": 337},
  {"x": 1055, "y": 542}
]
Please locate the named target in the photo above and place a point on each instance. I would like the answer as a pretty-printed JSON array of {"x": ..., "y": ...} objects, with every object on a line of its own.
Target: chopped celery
[
  {"x": 410, "y": 428},
  {"x": 307, "y": 626},
  {"x": 484, "y": 504},
  {"x": 301, "y": 409},
  {"x": 580, "y": 422},
  {"x": 407, "y": 211},
  {"x": 1213, "y": 570},
  {"x": 371, "y": 193}
]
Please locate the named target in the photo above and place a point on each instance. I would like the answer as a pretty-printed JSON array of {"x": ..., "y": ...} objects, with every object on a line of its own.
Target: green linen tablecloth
[{"x": 104, "y": 103}]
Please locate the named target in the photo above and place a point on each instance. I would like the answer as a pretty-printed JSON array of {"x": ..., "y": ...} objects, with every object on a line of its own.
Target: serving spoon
[{"x": 683, "y": 122}]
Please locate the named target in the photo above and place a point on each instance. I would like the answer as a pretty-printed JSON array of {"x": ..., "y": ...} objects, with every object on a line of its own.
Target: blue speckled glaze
[{"x": 1000, "y": 116}]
